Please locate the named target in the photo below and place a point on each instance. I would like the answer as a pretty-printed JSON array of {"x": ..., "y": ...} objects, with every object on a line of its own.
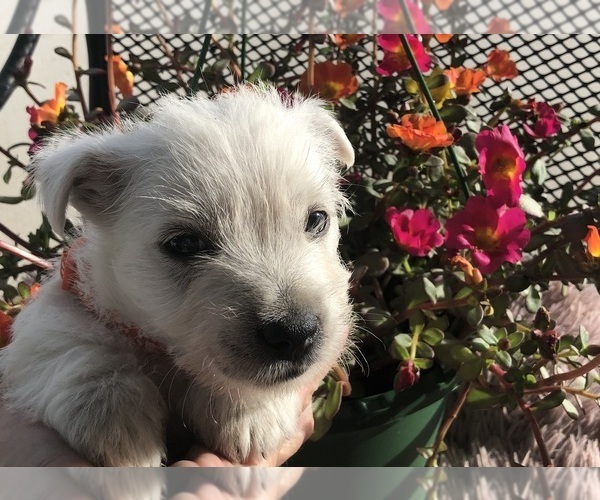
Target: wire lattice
[
  {"x": 291, "y": 16},
  {"x": 553, "y": 68}
]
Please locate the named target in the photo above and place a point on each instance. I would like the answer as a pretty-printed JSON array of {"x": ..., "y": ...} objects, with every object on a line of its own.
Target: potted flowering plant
[{"x": 451, "y": 226}]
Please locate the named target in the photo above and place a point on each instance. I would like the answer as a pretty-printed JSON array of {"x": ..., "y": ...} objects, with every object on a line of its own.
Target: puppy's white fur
[{"x": 244, "y": 170}]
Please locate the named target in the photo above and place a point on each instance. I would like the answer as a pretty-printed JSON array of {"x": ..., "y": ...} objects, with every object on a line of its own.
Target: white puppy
[{"x": 209, "y": 251}]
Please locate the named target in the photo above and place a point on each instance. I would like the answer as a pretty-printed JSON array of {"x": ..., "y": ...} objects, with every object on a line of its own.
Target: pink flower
[
  {"x": 395, "y": 59},
  {"x": 394, "y": 21},
  {"x": 501, "y": 164},
  {"x": 415, "y": 231},
  {"x": 547, "y": 123},
  {"x": 492, "y": 232}
]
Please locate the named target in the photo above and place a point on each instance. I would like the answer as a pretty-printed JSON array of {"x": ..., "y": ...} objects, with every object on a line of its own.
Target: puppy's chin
[{"x": 267, "y": 374}]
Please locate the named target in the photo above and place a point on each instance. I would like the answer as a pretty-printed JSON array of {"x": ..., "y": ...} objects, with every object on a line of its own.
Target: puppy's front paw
[
  {"x": 117, "y": 423},
  {"x": 253, "y": 434}
]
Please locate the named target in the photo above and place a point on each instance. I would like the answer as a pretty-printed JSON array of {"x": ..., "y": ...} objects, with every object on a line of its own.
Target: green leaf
[
  {"x": 333, "y": 401},
  {"x": 424, "y": 350},
  {"x": 398, "y": 351},
  {"x": 470, "y": 370},
  {"x": 538, "y": 171},
  {"x": 347, "y": 103},
  {"x": 432, "y": 336},
  {"x": 515, "y": 339},
  {"x": 423, "y": 363},
  {"x": 23, "y": 290},
  {"x": 480, "y": 345},
  {"x": 487, "y": 334},
  {"x": 430, "y": 290},
  {"x": 552, "y": 400},
  {"x": 504, "y": 359},
  {"x": 475, "y": 315},
  {"x": 463, "y": 293},
  {"x": 63, "y": 21},
  {"x": 263, "y": 71},
  {"x": 453, "y": 113},
  {"x": 533, "y": 300},
  {"x": 6, "y": 177},
  {"x": 570, "y": 409},
  {"x": 484, "y": 398},
  {"x": 462, "y": 353},
  {"x": 61, "y": 51},
  {"x": 588, "y": 140},
  {"x": 322, "y": 424},
  {"x": 584, "y": 337}
]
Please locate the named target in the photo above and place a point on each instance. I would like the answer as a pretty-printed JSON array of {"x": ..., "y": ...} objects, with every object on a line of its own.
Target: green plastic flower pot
[{"x": 383, "y": 430}]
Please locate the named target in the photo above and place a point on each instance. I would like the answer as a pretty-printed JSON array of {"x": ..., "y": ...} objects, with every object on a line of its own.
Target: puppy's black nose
[{"x": 291, "y": 337}]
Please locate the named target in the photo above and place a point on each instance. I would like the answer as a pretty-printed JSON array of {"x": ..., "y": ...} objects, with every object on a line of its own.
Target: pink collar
[{"x": 70, "y": 277}]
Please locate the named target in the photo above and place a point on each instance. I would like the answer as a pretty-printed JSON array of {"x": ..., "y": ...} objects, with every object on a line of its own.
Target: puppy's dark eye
[
  {"x": 186, "y": 245},
  {"x": 317, "y": 222}
]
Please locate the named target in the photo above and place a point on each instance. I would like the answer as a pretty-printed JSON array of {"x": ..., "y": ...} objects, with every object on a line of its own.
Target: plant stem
[
  {"x": 178, "y": 75},
  {"x": 193, "y": 85},
  {"x": 77, "y": 70},
  {"x": 408, "y": 18},
  {"x": 111, "y": 82},
  {"x": 570, "y": 375},
  {"x": 12, "y": 158},
  {"x": 430, "y": 306},
  {"x": 434, "y": 111},
  {"x": 23, "y": 254},
  {"x": 28, "y": 91},
  {"x": 441, "y": 435},
  {"x": 20, "y": 241},
  {"x": 499, "y": 373},
  {"x": 574, "y": 131},
  {"x": 537, "y": 432},
  {"x": 243, "y": 57}
]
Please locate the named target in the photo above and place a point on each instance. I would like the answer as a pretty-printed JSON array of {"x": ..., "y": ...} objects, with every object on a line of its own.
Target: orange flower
[
  {"x": 443, "y": 4},
  {"x": 123, "y": 77},
  {"x": 466, "y": 81},
  {"x": 443, "y": 37},
  {"x": 50, "y": 110},
  {"x": 5, "y": 328},
  {"x": 344, "y": 7},
  {"x": 344, "y": 41},
  {"x": 592, "y": 240},
  {"x": 333, "y": 81},
  {"x": 421, "y": 132},
  {"x": 499, "y": 26},
  {"x": 500, "y": 66}
]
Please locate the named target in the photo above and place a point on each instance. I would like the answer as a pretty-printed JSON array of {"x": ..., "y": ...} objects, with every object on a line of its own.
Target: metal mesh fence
[
  {"x": 554, "y": 68},
  {"x": 351, "y": 16}
]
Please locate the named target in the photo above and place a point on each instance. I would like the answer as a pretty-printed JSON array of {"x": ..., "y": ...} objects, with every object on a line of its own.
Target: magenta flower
[
  {"x": 492, "y": 232},
  {"x": 394, "y": 21},
  {"x": 417, "y": 232},
  {"x": 501, "y": 164},
  {"x": 547, "y": 123},
  {"x": 395, "y": 59}
]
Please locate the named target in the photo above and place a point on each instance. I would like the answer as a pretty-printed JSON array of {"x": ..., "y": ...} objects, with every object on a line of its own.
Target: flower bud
[{"x": 408, "y": 375}]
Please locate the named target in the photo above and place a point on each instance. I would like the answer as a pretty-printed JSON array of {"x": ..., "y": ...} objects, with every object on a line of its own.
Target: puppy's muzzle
[{"x": 291, "y": 338}]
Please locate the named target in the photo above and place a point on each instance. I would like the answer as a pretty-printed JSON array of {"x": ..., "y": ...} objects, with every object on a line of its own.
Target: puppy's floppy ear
[
  {"x": 80, "y": 169},
  {"x": 328, "y": 127}
]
